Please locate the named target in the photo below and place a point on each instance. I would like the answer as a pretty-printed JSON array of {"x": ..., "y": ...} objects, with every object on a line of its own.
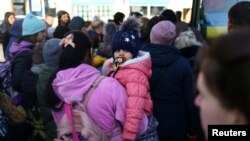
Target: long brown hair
[{"x": 6, "y": 17}]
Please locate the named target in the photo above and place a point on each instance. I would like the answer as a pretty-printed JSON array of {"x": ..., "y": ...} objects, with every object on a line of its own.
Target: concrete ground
[{"x": 1, "y": 53}]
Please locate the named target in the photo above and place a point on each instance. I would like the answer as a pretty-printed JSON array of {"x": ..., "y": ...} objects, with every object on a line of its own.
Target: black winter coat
[{"x": 172, "y": 92}]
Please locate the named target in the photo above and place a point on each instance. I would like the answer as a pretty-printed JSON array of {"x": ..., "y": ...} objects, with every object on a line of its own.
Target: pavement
[{"x": 1, "y": 53}]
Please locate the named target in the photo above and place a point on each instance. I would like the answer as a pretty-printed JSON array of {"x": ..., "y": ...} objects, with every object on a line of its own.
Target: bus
[{"x": 210, "y": 17}]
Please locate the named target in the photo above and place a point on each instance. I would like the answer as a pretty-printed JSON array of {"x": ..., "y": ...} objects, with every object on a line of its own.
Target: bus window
[
  {"x": 141, "y": 9},
  {"x": 155, "y": 10},
  {"x": 214, "y": 17}
]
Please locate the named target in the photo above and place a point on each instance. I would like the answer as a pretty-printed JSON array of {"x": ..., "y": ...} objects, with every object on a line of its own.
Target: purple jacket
[
  {"x": 107, "y": 103},
  {"x": 17, "y": 47},
  {"x": 21, "y": 63}
]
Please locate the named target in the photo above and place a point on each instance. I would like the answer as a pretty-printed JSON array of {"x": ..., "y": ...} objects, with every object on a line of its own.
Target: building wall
[
  {"x": 106, "y": 8},
  {"x": 64, "y": 5},
  {"x": 5, "y": 6},
  {"x": 103, "y": 8}
]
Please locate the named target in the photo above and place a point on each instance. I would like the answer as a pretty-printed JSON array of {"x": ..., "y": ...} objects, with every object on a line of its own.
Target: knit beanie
[
  {"x": 163, "y": 33},
  {"x": 127, "y": 38},
  {"x": 51, "y": 52},
  {"x": 76, "y": 23},
  {"x": 32, "y": 25}
]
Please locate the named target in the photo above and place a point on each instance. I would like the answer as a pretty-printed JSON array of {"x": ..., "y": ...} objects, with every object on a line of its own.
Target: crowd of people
[{"x": 161, "y": 79}]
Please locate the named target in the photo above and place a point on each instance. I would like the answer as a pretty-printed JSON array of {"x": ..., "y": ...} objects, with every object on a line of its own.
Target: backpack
[
  {"x": 5, "y": 79},
  {"x": 76, "y": 124}
]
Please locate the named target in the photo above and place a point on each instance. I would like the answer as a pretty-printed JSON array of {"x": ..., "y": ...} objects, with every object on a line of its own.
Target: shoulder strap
[
  {"x": 91, "y": 90},
  {"x": 67, "y": 107}
]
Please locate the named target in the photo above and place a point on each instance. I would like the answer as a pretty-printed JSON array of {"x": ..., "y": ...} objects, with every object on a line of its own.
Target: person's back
[
  {"x": 28, "y": 89},
  {"x": 51, "y": 52},
  {"x": 31, "y": 34},
  {"x": 171, "y": 91},
  {"x": 100, "y": 107},
  {"x": 171, "y": 84},
  {"x": 30, "y": 78},
  {"x": 106, "y": 105}
]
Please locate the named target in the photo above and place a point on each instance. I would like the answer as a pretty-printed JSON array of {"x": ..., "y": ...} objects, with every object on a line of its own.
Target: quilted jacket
[{"x": 133, "y": 75}]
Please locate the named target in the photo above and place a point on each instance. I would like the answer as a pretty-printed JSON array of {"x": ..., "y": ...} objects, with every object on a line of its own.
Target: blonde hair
[{"x": 186, "y": 39}]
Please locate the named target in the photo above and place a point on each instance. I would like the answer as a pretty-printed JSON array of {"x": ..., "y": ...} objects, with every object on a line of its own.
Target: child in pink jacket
[{"x": 132, "y": 68}]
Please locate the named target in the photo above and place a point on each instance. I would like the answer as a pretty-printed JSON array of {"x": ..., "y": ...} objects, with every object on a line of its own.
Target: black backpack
[{"x": 5, "y": 79}]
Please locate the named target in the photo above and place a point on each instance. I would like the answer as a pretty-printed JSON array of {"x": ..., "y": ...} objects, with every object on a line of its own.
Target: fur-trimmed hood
[{"x": 142, "y": 63}]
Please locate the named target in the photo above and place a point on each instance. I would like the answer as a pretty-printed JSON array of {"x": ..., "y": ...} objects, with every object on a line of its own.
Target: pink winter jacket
[
  {"x": 106, "y": 105},
  {"x": 133, "y": 75}
]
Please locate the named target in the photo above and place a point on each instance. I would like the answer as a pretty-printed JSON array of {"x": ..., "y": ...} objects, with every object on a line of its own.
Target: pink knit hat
[{"x": 163, "y": 33}]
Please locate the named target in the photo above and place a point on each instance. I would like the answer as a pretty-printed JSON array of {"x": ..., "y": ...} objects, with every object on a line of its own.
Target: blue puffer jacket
[{"x": 172, "y": 92}]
